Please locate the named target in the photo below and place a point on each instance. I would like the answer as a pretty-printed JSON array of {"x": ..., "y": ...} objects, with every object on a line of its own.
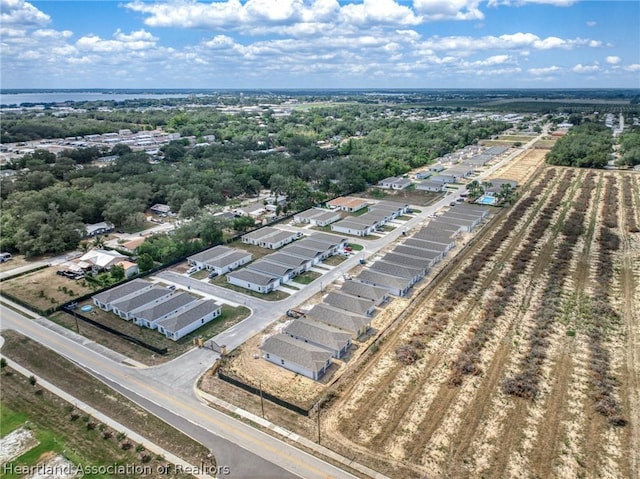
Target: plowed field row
[{"x": 510, "y": 377}]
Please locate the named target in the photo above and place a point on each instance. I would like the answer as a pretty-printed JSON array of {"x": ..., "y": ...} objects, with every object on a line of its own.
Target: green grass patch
[
  {"x": 270, "y": 296},
  {"x": 306, "y": 277},
  {"x": 355, "y": 246},
  {"x": 201, "y": 274},
  {"x": 360, "y": 212},
  {"x": 10, "y": 420},
  {"x": 334, "y": 260},
  {"x": 387, "y": 228}
]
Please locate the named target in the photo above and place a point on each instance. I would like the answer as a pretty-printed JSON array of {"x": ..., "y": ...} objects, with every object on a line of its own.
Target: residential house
[
  {"x": 435, "y": 235},
  {"x": 394, "y": 284},
  {"x": 100, "y": 259},
  {"x": 106, "y": 299},
  {"x": 297, "y": 356},
  {"x": 348, "y": 204},
  {"x": 394, "y": 183},
  {"x": 160, "y": 209},
  {"x": 125, "y": 307},
  {"x": 149, "y": 315},
  {"x": 271, "y": 238},
  {"x": 355, "y": 324},
  {"x": 317, "y": 217},
  {"x": 360, "y": 290},
  {"x": 432, "y": 257},
  {"x": 410, "y": 273},
  {"x": 188, "y": 320},
  {"x": 334, "y": 340},
  {"x": 253, "y": 280},
  {"x": 220, "y": 259},
  {"x": 98, "y": 228},
  {"x": 283, "y": 272},
  {"x": 352, "y": 304},
  {"x": 130, "y": 269},
  {"x": 430, "y": 185}
]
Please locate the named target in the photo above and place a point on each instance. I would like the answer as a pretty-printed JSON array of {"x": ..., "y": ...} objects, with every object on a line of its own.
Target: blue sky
[{"x": 320, "y": 44}]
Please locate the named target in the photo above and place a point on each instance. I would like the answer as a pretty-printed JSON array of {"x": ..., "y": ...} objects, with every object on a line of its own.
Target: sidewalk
[
  {"x": 78, "y": 338},
  {"x": 303, "y": 441},
  {"x": 150, "y": 446}
]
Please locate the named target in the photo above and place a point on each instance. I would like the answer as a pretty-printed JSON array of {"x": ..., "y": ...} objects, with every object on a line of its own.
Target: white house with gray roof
[
  {"x": 317, "y": 217},
  {"x": 271, "y": 238},
  {"x": 149, "y": 315},
  {"x": 394, "y": 284},
  {"x": 106, "y": 299},
  {"x": 187, "y": 320},
  {"x": 412, "y": 274},
  {"x": 360, "y": 290},
  {"x": 254, "y": 280},
  {"x": 432, "y": 257},
  {"x": 220, "y": 259},
  {"x": 332, "y": 339},
  {"x": 125, "y": 307},
  {"x": 264, "y": 266},
  {"x": 338, "y": 318},
  {"x": 409, "y": 261},
  {"x": 297, "y": 356},
  {"x": 431, "y": 233},
  {"x": 352, "y": 304},
  {"x": 439, "y": 247}
]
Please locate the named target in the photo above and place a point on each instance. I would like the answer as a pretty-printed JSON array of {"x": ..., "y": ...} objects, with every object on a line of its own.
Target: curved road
[{"x": 248, "y": 452}]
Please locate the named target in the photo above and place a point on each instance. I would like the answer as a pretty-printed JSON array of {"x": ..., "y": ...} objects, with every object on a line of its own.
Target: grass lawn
[
  {"x": 388, "y": 228},
  {"x": 360, "y": 212},
  {"x": 306, "y": 277},
  {"x": 355, "y": 246},
  {"x": 202, "y": 274},
  {"x": 270, "y": 296},
  {"x": 49, "y": 416},
  {"x": 45, "y": 289}
]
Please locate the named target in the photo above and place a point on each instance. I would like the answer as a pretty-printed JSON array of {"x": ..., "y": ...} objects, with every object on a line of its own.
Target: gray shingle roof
[
  {"x": 327, "y": 238},
  {"x": 254, "y": 277},
  {"x": 355, "y": 288},
  {"x": 406, "y": 260},
  {"x": 444, "y": 226},
  {"x": 173, "y": 303},
  {"x": 418, "y": 252},
  {"x": 348, "y": 302},
  {"x": 375, "y": 277},
  {"x": 301, "y": 251},
  {"x": 433, "y": 234},
  {"x": 146, "y": 297},
  {"x": 211, "y": 254},
  {"x": 309, "y": 244},
  {"x": 426, "y": 244},
  {"x": 319, "y": 333},
  {"x": 195, "y": 312},
  {"x": 266, "y": 267},
  {"x": 310, "y": 357},
  {"x": 394, "y": 269},
  {"x": 286, "y": 259},
  {"x": 121, "y": 291},
  {"x": 338, "y": 318}
]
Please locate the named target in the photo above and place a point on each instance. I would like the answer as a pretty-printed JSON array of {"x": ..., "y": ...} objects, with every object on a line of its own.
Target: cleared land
[
  {"x": 87, "y": 445},
  {"x": 522, "y": 353},
  {"x": 522, "y": 168}
]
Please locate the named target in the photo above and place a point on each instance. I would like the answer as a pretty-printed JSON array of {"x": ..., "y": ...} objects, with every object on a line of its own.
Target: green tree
[
  {"x": 117, "y": 272},
  {"x": 145, "y": 262}
]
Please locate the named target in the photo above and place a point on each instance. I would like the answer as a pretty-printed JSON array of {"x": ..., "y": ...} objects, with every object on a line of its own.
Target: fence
[
  {"x": 265, "y": 395},
  {"x": 108, "y": 329}
]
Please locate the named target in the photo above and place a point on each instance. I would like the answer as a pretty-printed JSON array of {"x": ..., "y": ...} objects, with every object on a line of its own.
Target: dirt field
[
  {"x": 526, "y": 348},
  {"x": 44, "y": 288},
  {"x": 521, "y": 169},
  {"x": 527, "y": 351}
]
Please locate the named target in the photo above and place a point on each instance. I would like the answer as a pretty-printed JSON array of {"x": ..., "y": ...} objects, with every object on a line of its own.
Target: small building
[
  {"x": 360, "y": 290},
  {"x": 416, "y": 262},
  {"x": 297, "y": 356},
  {"x": 439, "y": 248},
  {"x": 412, "y": 274},
  {"x": 254, "y": 210},
  {"x": 436, "y": 168},
  {"x": 443, "y": 225},
  {"x": 196, "y": 315},
  {"x": 317, "y": 217},
  {"x": 430, "y": 185},
  {"x": 365, "y": 307},
  {"x": 354, "y": 324},
  {"x": 264, "y": 266},
  {"x": 160, "y": 209},
  {"x": 444, "y": 179},
  {"x": 271, "y": 238},
  {"x": 220, "y": 259},
  {"x": 432, "y": 257},
  {"x": 149, "y": 315},
  {"x": 253, "y": 280},
  {"x": 125, "y": 307},
  {"x": 100, "y": 259},
  {"x": 348, "y": 204},
  {"x": 394, "y": 183},
  {"x": 395, "y": 285},
  {"x": 130, "y": 269},
  {"x": 134, "y": 287},
  {"x": 333, "y": 244},
  {"x": 96, "y": 229},
  {"x": 423, "y": 175},
  {"x": 431, "y": 233},
  {"x": 131, "y": 245},
  {"x": 314, "y": 255},
  {"x": 352, "y": 226},
  {"x": 332, "y": 339}
]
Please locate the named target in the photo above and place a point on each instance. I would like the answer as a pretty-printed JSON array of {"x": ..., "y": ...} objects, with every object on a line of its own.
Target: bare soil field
[
  {"x": 44, "y": 288},
  {"x": 521, "y": 168},
  {"x": 524, "y": 348},
  {"x": 525, "y": 353}
]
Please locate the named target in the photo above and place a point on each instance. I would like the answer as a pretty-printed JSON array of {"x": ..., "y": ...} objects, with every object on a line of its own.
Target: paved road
[{"x": 248, "y": 452}]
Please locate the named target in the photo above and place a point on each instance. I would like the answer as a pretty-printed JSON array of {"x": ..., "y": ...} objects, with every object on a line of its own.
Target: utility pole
[
  {"x": 318, "y": 416},
  {"x": 261, "y": 398}
]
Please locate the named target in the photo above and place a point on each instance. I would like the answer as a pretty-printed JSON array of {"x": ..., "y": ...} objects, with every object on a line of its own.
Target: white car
[{"x": 192, "y": 270}]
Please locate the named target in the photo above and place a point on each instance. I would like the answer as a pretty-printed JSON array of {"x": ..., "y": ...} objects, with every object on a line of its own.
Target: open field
[
  {"x": 522, "y": 168},
  {"x": 512, "y": 374},
  {"x": 45, "y": 289},
  {"x": 53, "y": 415}
]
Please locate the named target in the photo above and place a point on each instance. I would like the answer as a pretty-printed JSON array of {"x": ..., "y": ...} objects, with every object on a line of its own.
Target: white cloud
[
  {"x": 580, "y": 68},
  {"x": 635, "y": 67},
  {"x": 517, "y": 3},
  {"x": 448, "y": 9},
  {"x": 19, "y": 12},
  {"x": 544, "y": 71},
  {"x": 613, "y": 60},
  {"x": 591, "y": 23},
  {"x": 140, "y": 40}
]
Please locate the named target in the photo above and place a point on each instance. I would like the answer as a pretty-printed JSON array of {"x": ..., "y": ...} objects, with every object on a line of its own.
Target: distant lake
[{"x": 62, "y": 96}]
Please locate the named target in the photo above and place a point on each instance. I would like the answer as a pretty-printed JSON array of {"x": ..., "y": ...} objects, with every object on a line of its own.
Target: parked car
[
  {"x": 192, "y": 270},
  {"x": 213, "y": 274}
]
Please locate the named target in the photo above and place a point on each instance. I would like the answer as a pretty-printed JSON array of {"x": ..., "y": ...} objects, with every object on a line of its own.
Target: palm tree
[{"x": 98, "y": 242}]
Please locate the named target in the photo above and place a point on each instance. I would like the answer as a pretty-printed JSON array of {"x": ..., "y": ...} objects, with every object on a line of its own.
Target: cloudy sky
[{"x": 320, "y": 44}]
